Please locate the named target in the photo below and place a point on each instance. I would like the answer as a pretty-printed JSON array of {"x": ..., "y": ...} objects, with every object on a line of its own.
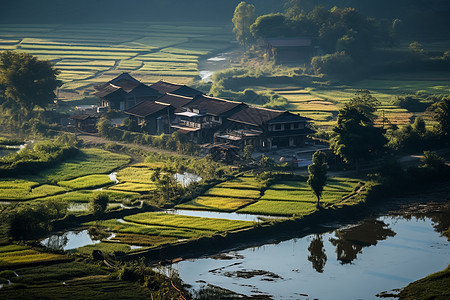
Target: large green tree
[
  {"x": 27, "y": 80},
  {"x": 442, "y": 116},
  {"x": 318, "y": 174},
  {"x": 355, "y": 136},
  {"x": 244, "y": 16}
]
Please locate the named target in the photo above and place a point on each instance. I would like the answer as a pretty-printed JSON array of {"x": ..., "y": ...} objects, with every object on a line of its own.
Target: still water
[{"x": 353, "y": 262}]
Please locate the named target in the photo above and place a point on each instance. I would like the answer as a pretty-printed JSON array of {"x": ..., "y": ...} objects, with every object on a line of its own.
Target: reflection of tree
[
  {"x": 318, "y": 258},
  {"x": 349, "y": 242},
  {"x": 57, "y": 241}
]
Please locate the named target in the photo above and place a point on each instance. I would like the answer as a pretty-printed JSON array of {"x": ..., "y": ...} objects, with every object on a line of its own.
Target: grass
[
  {"x": 179, "y": 221},
  {"x": 56, "y": 273},
  {"x": 164, "y": 231},
  {"x": 143, "y": 240},
  {"x": 434, "y": 286},
  {"x": 26, "y": 256},
  {"x": 136, "y": 173},
  {"x": 287, "y": 198},
  {"x": 234, "y": 193},
  {"x": 280, "y": 208},
  {"x": 85, "y": 196},
  {"x": 105, "y": 247},
  {"x": 242, "y": 182},
  {"x": 88, "y": 54},
  {"x": 215, "y": 203},
  {"x": 90, "y": 161},
  {"x": 87, "y": 182},
  {"x": 89, "y": 287},
  {"x": 133, "y": 187},
  {"x": 25, "y": 190}
]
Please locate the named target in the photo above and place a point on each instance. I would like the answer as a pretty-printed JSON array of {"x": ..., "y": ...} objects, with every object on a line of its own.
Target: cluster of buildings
[{"x": 165, "y": 107}]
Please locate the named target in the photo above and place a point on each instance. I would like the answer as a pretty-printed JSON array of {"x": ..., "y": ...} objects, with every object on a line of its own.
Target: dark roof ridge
[
  {"x": 219, "y": 99},
  {"x": 268, "y": 109},
  {"x": 176, "y": 95}
]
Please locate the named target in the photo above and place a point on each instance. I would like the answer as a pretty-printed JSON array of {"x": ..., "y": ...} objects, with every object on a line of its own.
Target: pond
[
  {"x": 220, "y": 215},
  {"x": 69, "y": 240},
  {"x": 353, "y": 262}
]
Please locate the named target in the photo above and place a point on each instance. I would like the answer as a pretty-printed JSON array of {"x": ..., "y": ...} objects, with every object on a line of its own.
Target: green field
[
  {"x": 25, "y": 190},
  {"x": 288, "y": 198},
  {"x": 234, "y": 193},
  {"x": 226, "y": 204},
  {"x": 90, "y": 161},
  {"x": 87, "y": 182},
  {"x": 88, "y": 55},
  {"x": 12, "y": 256},
  {"x": 179, "y": 221}
]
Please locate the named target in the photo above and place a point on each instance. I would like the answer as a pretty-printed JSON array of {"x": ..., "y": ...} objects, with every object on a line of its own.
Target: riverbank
[{"x": 435, "y": 198}]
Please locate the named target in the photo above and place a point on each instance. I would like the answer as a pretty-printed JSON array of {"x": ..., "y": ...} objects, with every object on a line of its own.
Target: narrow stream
[
  {"x": 353, "y": 262},
  {"x": 221, "y": 61}
]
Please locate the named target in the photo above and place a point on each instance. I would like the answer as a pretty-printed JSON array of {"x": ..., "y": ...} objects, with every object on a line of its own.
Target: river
[
  {"x": 219, "y": 62},
  {"x": 352, "y": 262}
]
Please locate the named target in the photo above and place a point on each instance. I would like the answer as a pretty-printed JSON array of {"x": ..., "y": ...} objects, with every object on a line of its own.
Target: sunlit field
[{"x": 88, "y": 54}]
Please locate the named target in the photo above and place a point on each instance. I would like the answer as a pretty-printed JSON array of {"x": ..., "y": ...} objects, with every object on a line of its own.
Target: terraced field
[
  {"x": 88, "y": 54},
  {"x": 227, "y": 196},
  {"x": 288, "y": 198}
]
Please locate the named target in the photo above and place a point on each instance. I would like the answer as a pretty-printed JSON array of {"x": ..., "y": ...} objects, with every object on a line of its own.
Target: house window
[
  {"x": 295, "y": 126},
  {"x": 277, "y": 127},
  {"x": 216, "y": 119}
]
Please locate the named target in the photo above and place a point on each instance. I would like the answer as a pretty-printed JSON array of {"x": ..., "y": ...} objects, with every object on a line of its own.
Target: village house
[
  {"x": 222, "y": 126},
  {"x": 264, "y": 128},
  {"x": 152, "y": 117},
  {"x": 291, "y": 50},
  {"x": 124, "y": 92},
  {"x": 203, "y": 116}
]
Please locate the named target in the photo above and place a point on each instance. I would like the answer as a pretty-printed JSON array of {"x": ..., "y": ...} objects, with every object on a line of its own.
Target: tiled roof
[
  {"x": 110, "y": 91},
  {"x": 175, "y": 100},
  {"x": 167, "y": 87},
  {"x": 255, "y": 115},
  {"x": 143, "y": 90},
  {"x": 213, "y": 106},
  {"x": 147, "y": 108},
  {"x": 124, "y": 80}
]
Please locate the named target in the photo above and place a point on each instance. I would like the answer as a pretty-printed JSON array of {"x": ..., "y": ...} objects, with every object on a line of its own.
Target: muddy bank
[{"x": 435, "y": 199}]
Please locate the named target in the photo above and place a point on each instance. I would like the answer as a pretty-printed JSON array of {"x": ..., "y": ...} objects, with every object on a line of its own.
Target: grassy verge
[{"x": 434, "y": 286}]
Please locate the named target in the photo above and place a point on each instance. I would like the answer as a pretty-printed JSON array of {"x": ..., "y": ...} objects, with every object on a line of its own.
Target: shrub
[
  {"x": 338, "y": 65},
  {"x": 99, "y": 203}
]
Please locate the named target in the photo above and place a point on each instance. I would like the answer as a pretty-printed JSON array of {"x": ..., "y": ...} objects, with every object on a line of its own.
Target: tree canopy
[
  {"x": 355, "y": 136},
  {"x": 244, "y": 16},
  {"x": 318, "y": 174},
  {"x": 26, "y": 80}
]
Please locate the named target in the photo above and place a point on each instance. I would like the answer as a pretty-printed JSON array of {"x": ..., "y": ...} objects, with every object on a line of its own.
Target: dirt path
[{"x": 97, "y": 140}]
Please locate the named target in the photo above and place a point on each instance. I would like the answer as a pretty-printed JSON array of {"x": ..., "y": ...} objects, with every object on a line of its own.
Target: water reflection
[
  {"x": 349, "y": 242},
  {"x": 373, "y": 256},
  {"x": 317, "y": 256}
]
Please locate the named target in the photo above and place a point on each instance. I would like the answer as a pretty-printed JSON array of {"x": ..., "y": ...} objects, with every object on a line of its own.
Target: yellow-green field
[{"x": 87, "y": 54}]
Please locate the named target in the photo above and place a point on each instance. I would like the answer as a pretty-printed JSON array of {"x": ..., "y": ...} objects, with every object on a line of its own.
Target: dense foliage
[
  {"x": 36, "y": 157},
  {"x": 355, "y": 137},
  {"x": 318, "y": 174},
  {"x": 26, "y": 80}
]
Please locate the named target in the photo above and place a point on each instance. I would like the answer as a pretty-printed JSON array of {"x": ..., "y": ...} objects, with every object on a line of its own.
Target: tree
[
  {"x": 27, "y": 80},
  {"x": 99, "y": 203},
  {"x": 248, "y": 150},
  {"x": 355, "y": 137},
  {"x": 271, "y": 25},
  {"x": 318, "y": 174},
  {"x": 244, "y": 16},
  {"x": 442, "y": 116}
]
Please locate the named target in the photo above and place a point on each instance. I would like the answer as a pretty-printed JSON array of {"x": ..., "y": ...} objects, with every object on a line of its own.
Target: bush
[
  {"x": 99, "y": 203},
  {"x": 338, "y": 65}
]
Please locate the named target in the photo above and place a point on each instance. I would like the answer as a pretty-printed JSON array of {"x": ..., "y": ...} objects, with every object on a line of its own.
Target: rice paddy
[
  {"x": 87, "y": 182},
  {"x": 295, "y": 198},
  {"x": 13, "y": 256},
  {"x": 88, "y": 54}
]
